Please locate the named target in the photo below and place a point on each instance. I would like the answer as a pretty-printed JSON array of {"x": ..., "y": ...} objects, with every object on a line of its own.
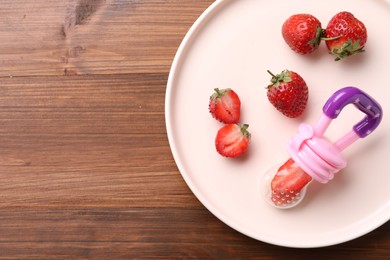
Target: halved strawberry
[
  {"x": 225, "y": 106},
  {"x": 288, "y": 183},
  {"x": 232, "y": 140}
]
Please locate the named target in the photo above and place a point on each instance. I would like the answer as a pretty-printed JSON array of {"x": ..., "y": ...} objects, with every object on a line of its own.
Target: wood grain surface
[{"x": 85, "y": 165}]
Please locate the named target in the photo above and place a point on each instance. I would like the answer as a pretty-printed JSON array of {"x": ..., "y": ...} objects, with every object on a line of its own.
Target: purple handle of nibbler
[{"x": 362, "y": 101}]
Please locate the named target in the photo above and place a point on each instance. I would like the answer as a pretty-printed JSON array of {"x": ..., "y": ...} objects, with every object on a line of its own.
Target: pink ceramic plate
[{"x": 232, "y": 45}]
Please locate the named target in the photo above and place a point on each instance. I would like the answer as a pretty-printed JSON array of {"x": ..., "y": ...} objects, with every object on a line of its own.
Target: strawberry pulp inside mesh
[{"x": 288, "y": 183}]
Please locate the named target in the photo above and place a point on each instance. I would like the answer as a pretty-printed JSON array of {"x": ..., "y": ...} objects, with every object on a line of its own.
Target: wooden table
[{"x": 86, "y": 168}]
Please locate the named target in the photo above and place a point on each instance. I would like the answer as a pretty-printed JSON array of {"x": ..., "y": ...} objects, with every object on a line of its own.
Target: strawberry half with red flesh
[
  {"x": 287, "y": 184},
  {"x": 349, "y": 35},
  {"x": 232, "y": 140},
  {"x": 225, "y": 105},
  {"x": 288, "y": 93},
  {"x": 302, "y": 32}
]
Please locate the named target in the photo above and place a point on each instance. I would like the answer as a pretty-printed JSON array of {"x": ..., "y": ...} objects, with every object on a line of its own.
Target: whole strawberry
[
  {"x": 288, "y": 93},
  {"x": 302, "y": 32},
  {"x": 232, "y": 140},
  {"x": 225, "y": 105},
  {"x": 350, "y": 35}
]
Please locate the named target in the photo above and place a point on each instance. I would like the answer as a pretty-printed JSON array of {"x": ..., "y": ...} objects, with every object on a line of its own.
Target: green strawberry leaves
[
  {"x": 347, "y": 49},
  {"x": 284, "y": 76}
]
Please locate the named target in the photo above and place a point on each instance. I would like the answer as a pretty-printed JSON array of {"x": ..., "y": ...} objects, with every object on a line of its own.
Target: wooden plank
[
  {"x": 142, "y": 233},
  {"x": 92, "y": 37},
  {"x": 81, "y": 142}
]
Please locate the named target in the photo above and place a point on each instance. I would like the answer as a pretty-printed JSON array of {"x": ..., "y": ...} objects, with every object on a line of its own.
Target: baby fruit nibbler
[{"x": 313, "y": 157}]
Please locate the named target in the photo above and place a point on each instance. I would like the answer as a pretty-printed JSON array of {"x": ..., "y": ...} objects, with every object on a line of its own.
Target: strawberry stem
[
  {"x": 271, "y": 73},
  {"x": 244, "y": 127},
  {"x": 284, "y": 76},
  {"x": 244, "y": 130},
  {"x": 322, "y": 36},
  {"x": 331, "y": 38}
]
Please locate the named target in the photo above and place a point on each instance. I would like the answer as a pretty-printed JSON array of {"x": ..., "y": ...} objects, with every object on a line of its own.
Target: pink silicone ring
[{"x": 317, "y": 156}]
